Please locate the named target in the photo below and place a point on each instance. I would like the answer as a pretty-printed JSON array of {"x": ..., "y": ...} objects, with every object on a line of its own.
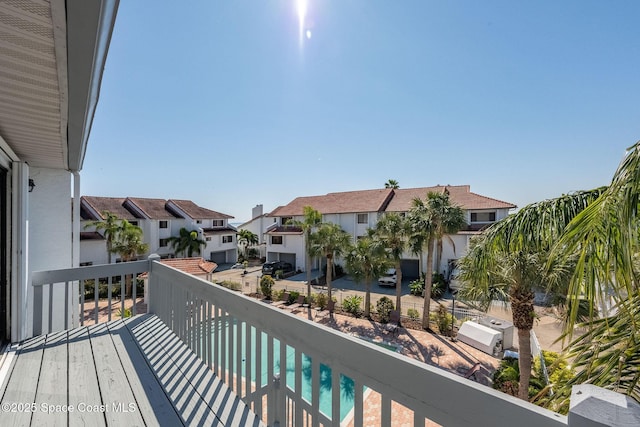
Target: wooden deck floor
[{"x": 122, "y": 373}]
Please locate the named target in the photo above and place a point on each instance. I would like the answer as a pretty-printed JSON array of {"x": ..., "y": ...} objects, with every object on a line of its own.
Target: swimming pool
[{"x": 347, "y": 391}]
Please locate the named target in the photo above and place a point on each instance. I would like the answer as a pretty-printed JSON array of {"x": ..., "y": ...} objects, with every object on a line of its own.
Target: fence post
[{"x": 151, "y": 282}]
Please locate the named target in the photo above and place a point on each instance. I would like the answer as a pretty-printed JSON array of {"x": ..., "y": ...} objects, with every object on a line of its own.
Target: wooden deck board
[
  {"x": 51, "y": 395},
  {"x": 152, "y": 401},
  {"x": 83, "y": 385},
  {"x": 138, "y": 361},
  {"x": 23, "y": 384},
  {"x": 114, "y": 384},
  {"x": 165, "y": 358}
]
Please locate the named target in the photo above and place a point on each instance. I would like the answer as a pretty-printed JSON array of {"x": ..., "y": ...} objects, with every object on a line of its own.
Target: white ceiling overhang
[{"x": 52, "y": 54}]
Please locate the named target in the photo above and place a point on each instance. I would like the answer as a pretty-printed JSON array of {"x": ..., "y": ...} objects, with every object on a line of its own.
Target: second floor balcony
[{"x": 201, "y": 347}]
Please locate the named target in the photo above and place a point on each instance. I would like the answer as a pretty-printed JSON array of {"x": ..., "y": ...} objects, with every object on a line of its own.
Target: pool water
[{"x": 346, "y": 384}]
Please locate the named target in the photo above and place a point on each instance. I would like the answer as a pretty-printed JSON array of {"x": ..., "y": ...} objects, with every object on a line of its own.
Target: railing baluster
[
  {"x": 335, "y": 395},
  {"x": 109, "y": 280},
  {"x": 315, "y": 391},
  {"x": 134, "y": 286},
  {"x": 123, "y": 294},
  {"x": 358, "y": 404},
  {"x": 259, "y": 361},
  {"x": 385, "y": 415},
  {"x": 248, "y": 358},
  {"x": 83, "y": 284},
  {"x": 239, "y": 335},
  {"x": 66, "y": 304},
  {"x": 96, "y": 297},
  {"x": 271, "y": 396},
  {"x": 298, "y": 387}
]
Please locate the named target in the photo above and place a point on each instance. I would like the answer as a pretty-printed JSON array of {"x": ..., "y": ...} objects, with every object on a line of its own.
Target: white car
[{"x": 389, "y": 279}]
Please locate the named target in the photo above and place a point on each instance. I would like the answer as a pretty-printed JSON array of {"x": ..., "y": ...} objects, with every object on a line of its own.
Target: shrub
[
  {"x": 279, "y": 274},
  {"x": 320, "y": 301},
  {"x": 293, "y": 296},
  {"x": 127, "y": 313},
  {"x": 266, "y": 286},
  {"x": 415, "y": 287},
  {"x": 277, "y": 294},
  {"x": 230, "y": 284},
  {"x": 438, "y": 286},
  {"x": 240, "y": 259},
  {"x": 263, "y": 259},
  {"x": 352, "y": 305},
  {"x": 444, "y": 320},
  {"x": 413, "y": 314},
  {"x": 252, "y": 253},
  {"x": 384, "y": 307}
]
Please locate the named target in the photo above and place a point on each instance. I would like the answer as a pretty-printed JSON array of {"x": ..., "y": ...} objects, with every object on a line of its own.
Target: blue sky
[{"x": 224, "y": 103}]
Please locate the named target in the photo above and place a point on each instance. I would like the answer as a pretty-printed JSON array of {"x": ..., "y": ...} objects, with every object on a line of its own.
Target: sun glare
[{"x": 301, "y": 7}]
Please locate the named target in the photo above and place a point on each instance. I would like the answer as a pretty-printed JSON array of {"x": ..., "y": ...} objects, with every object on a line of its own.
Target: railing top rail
[{"x": 39, "y": 278}]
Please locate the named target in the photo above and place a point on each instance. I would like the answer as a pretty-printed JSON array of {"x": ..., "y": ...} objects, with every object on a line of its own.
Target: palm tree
[
  {"x": 187, "y": 242},
  {"x": 392, "y": 183},
  {"x": 129, "y": 245},
  {"x": 311, "y": 220},
  {"x": 111, "y": 225},
  {"x": 504, "y": 263},
  {"x": 247, "y": 238},
  {"x": 364, "y": 261},
  {"x": 393, "y": 230},
  {"x": 430, "y": 220},
  {"x": 329, "y": 241}
]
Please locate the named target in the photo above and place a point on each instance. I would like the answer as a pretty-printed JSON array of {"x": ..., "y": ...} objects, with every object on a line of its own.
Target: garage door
[
  {"x": 410, "y": 268},
  {"x": 218, "y": 257},
  {"x": 290, "y": 258}
]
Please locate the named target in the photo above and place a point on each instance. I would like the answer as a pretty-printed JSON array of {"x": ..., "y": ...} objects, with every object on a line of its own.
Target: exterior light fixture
[{"x": 31, "y": 185}]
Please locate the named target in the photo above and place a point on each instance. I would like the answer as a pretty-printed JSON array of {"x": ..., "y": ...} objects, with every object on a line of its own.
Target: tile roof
[
  {"x": 196, "y": 212},
  {"x": 460, "y": 195},
  {"x": 101, "y": 204},
  {"x": 196, "y": 266},
  {"x": 151, "y": 208},
  {"x": 346, "y": 202}
]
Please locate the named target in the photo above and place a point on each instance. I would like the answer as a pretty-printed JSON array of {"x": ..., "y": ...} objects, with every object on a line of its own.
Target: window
[
  {"x": 363, "y": 218},
  {"x": 86, "y": 264},
  {"x": 483, "y": 216},
  {"x": 164, "y": 224},
  {"x": 217, "y": 223},
  {"x": 163, "y": 243},
  {"x": 286, "y": 220},
  {"x": 276, "y": 240},
  {"x": 133, "y": 223},
  {"x": 227, "y": 239},
  {"x": 198, "y": 221}
]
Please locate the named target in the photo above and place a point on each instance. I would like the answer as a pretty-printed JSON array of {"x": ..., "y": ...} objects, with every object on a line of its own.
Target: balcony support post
[{"x": 151, "y": 282}]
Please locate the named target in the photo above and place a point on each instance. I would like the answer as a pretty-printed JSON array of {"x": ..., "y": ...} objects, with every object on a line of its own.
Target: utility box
[
  {"x": 481, "y": 337},
  {"x": 504, "y": 326}
]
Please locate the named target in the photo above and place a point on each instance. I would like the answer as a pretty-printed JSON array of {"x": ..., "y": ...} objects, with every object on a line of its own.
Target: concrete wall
[{"x": 94, "y": 251}]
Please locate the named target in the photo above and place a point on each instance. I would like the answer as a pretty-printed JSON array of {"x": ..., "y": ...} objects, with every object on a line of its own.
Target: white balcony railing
[{"x": 246, "y": 343}]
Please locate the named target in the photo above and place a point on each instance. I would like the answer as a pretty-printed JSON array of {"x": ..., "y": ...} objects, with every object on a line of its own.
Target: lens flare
[{"x": 301, "y": 7}]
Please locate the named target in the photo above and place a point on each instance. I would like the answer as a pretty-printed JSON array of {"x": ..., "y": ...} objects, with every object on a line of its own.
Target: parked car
[
  {"x": 271, "y": 267},
  {"x": 389, "y": 279}
]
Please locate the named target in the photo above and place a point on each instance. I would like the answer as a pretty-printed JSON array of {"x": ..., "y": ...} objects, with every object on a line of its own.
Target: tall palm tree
[
  {"x": 186, "y": 243},
  {"x": 329, "y": 241},
  {"x": 111, "y": 225},
  {"x": 393, "y": 230},
  {"x": 365, "y": 260},
  {"x": 311, "y": 220},
  {"x": 247, "y": 238},
  {"x": 430, "y": 220},
  {"x": 129, "y": 245},
  {"x": 503, "y": 263},
  {"x": 392, "y": 183}
]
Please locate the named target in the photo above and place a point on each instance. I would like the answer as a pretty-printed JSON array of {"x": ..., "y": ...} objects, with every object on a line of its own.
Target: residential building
[
  {"x": 258, "y": 225},
  {"x": 357, "y": 211},
  {"x": 159, "y": 220}
]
